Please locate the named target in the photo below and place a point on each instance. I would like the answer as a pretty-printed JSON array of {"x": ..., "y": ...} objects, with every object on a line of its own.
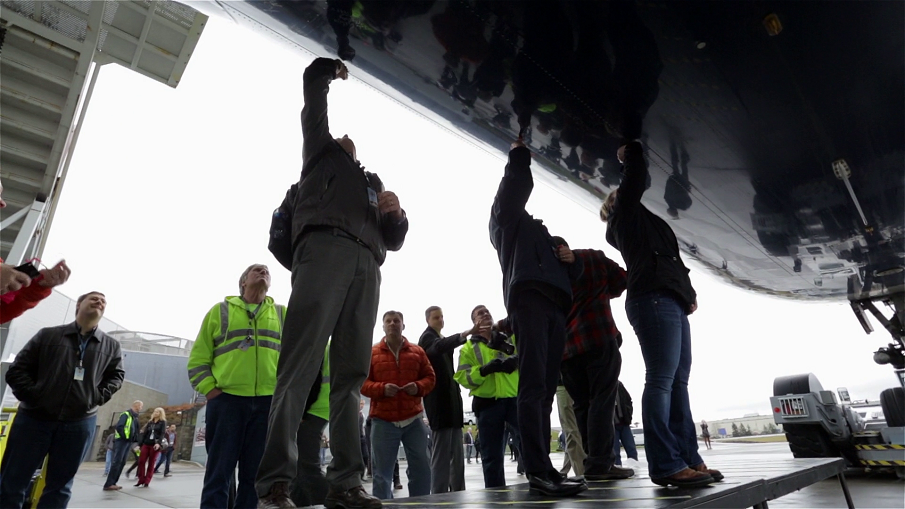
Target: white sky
[{"x": 170, "y": 192}]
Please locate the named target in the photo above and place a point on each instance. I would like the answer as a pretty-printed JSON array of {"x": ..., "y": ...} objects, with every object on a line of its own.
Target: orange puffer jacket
[{"x": 412, "y": 366}]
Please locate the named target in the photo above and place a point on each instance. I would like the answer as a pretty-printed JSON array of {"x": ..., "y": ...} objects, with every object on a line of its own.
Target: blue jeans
[
  {"x": 65, "y": 443},
  {"x": 385, "y": 438},
  {"x": 120, "y": 457},
  {"x": 235, "y": 434},
  {"x": 492, "y": 428},
  {"x": 107, "y": 460},
  {"x": 662, "y": 328},
  {"x": 165, "y": 456},
  {"x": 627, "y": 440}
]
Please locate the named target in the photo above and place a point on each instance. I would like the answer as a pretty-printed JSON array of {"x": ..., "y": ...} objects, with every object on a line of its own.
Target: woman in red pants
[{"x": 152, "y": 441}]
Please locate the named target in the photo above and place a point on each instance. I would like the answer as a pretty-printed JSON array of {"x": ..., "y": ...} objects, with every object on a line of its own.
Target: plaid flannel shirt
[{"x": 590, "y": 321}]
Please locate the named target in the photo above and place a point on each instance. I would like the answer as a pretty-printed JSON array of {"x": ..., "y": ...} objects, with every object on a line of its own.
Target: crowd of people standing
[{"x": 275, "y": 377}]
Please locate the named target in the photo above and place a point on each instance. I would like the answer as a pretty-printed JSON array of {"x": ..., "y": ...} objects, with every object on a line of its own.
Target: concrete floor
[{"x": 184, "y": 487}]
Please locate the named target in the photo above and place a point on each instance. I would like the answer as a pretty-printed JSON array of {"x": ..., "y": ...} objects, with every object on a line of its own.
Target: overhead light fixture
[
  {"x": 700, "y": 45},
  {"x": 772, "y": 24}
]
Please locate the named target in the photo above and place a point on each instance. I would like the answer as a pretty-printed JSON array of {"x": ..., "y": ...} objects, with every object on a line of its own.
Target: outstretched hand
[{"x": 57, "y": 275}]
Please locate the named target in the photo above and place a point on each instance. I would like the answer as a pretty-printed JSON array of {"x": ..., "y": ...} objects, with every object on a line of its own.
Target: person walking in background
[
  {"x": 153, "y": 440},
  {"x": 234, "y": 364},
  {"x": 363, "y": 440},
  {"x": 108, "y": 448},
  {"x": 125, "y": 436},
  {"x": 660, "y": 298},
  {"x": 60, "y": 377},
  {"x": 622, "y": 423},
  {"x": 135, "y": 450},
  {"x": 370, "y": 464},
  {"x": 325, "y": 446},
  {"x": 468, "y": 440},
  {"x": 167, "y": 454},
  {"x": 705, "y": 434},
  {"x": 400, "y": 376}
]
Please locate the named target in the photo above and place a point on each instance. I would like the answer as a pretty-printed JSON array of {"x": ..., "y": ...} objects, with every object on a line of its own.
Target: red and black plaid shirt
[{"x": 590, "y": 321}]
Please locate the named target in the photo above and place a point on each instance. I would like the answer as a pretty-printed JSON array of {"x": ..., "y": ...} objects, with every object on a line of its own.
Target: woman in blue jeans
[{"x": 659, "y": 299}]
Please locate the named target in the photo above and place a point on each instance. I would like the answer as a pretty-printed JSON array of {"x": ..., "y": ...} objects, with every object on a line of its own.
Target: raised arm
[
  {"x": 515, "y": 187},
  {"x": 316, "y": 85},
  {"x": 435, "y": 346},
  {"x": 635, "y": 178}
]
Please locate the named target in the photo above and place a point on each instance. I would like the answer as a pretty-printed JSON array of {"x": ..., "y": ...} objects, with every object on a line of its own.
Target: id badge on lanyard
[{"x": 80, "y": 369}]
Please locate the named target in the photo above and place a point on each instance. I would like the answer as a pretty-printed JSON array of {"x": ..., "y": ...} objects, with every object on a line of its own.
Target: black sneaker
[
  {"x": 552, "y": 485},
  {"x": 615, "y": 472}
]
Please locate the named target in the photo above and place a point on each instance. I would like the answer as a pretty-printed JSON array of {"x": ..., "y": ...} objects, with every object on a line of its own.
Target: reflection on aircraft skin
[{"x": 741, "y": 124}]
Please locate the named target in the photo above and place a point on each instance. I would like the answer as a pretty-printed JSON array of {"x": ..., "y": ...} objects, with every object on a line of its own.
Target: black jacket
[
  {"x": 154, "y": 433},
  {"x": 648, "y": 245},
  {"x": 443, "y": 405},
  {"x": 43, "y": 375},
  {"x": 623, "y": 412},
  {"x": 333, "y": 190},
  {"x": 524, "y": 246}
]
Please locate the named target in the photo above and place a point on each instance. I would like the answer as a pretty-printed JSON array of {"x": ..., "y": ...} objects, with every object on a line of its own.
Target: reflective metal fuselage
[{"x": 743, "y": 107}]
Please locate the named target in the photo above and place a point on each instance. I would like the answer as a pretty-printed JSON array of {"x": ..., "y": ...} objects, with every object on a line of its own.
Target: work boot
[
  {"x": 278, "y": 498},
  {"x": 717, "y": 476},
  {"x": 355, "y": 498}
]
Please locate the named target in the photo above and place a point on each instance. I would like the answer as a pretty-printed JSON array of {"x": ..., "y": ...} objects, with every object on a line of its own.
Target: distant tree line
[{"x": 745, "y": 431}]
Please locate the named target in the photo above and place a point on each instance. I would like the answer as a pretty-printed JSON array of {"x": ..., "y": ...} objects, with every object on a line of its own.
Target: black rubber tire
[
  {"x": 893, "y": 403},
  {"x": 809, "y": 441}
]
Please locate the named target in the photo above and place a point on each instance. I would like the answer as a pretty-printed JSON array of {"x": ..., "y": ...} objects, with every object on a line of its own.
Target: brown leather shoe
[
  {"x": 355, "y": 498},
  {"x": 112, "y": 487},
  {"x": 717, "y": 476},
  {"x": 687, "y": 478},
  {"x": 278, "y": 498}
]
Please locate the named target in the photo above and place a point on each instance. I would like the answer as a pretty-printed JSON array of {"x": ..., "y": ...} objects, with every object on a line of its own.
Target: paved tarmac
[{"x": 184, "y": 487}]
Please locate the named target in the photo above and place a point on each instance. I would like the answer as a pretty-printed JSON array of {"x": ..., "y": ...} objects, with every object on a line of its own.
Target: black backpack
[{"x": 280, "y": 243}]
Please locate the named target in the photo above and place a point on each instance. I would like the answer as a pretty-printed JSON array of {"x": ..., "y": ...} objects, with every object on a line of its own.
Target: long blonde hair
[
  {"x": 161, "y": 412},
  {"x": 607, "y": 208}
]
